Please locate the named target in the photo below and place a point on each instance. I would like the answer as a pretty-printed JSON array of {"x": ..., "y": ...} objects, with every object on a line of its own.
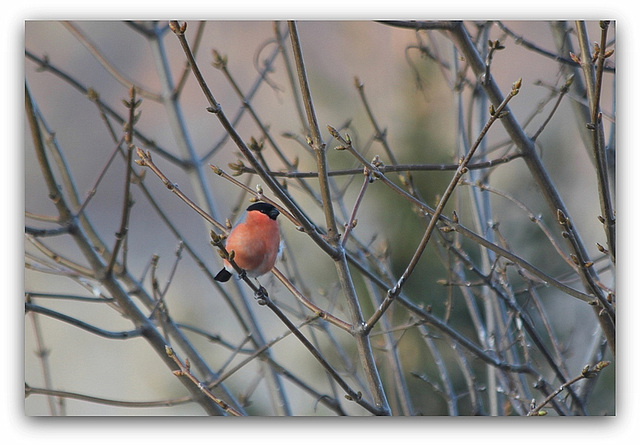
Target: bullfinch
[{"x": 255, "y": 242}]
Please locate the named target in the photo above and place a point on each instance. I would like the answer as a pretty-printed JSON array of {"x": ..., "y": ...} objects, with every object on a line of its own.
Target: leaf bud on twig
[
  {"x": 333, "y": 132},
  {"x": 255, "y": 145},
  {"x": 568, "y": 83},
  {"x": 562, "y": 218},
  {"x": 596, "y": 52},
  {"x": 237, "y": 167},
  {"x": 215, "y": 238},
  {"x": 93, "y": 95},
  {"x": 219, "y": 61},
  {"x": 515, "y": 89},
  {"x": 496, "y": 45},
  {"x": 177, "y": 28},
  {"x": 575, "y": 58}
]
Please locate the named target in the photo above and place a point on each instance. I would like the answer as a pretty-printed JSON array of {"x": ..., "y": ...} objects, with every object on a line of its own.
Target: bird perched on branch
[{"x": 255, "y": 242}]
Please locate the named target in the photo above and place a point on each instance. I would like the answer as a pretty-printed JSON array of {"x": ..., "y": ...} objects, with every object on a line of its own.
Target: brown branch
[
  {"x": 393, "y": 292},
  {"x": 339, "y": 255},
  {"x": 185, "y": 371},
  {"x": 93, "y": 49},
  {"x": 240, "y": 168},
  {"x": 593, "y": 78},
  {"x": 146, "y": 161},
  {"x": 326, "y": 316},
  {"x": 355, "y": 396},
  {"x": 132, "y": 105},
  {"x": 216, "y": 109},
  {"x": 606, "y": 318},
  {"x": 588, "y": 372}
]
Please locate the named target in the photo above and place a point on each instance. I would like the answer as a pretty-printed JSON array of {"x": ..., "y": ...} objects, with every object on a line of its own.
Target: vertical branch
[
  {"x": 352, "y": 219},
  {"x": 393, "y": 292},
  {"x": 604, "y": 312},
  {"x": 317, "y": 143},
  {"x": 132, "y": 104},
  {"x": 344, "y": 276},
  {"x": 482, "y": 208},
  {"x": 594, "y": 88},
  {"x": 279, "y": 397},
  {"x": 220, "y": 62},
  {"x": 381, "y": 135},
  {"x": 580, "y": 112},
  {"x": 485, "y": 326},
  {"x": 54, "y": 191},
  {"x": 280, "y": 38},
  {"x": 43, "y": 355},
  {"x": 178, "y": 124},
  {"x": 113, "y": 286},
  {"x": 216, "y": 108}
]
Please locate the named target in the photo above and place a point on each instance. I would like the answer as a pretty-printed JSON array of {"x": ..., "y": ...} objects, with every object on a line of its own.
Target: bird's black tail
[{"x": 223, "y": 276}]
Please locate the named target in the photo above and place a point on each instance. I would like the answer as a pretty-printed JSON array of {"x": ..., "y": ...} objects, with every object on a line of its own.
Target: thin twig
[
  {"x": 121, "y": 234},
  {"x": 520, "y": 40},
  {"x": 549, "y": 191},
  {"x": 309, "y": 305},
  {"x": 220, "y": 62},
  {"x": 93, "y": 50},
  {"x": 186, "y": 372},
  {"x": 353, "y": 395},
  {"x": 587, "y": 373},
  {"x": 537, "y": 219},
  {"x": 405, "y": 177},
  {"x": 349, "y": 225},
  {"x": 146, "y": 161},
  {"x": 120, "y": 335},
  {"x": 386, "y": 168},
  {"x": 593, "y": 78},
  {"x": 215, "y": 108},
  {"x": 187, "y": 69},
  {"x": 362, "y": 342},
  {"x": 43, "y": 355},
  {"x": 30, "y": 390},
  {"x": 476, "y": 350},
  {"x": 258, "y": 195},
  {"x": 395, "y": 290},
  {"x": 316, "y": 141},
  {"x": 45, "y": 64}
]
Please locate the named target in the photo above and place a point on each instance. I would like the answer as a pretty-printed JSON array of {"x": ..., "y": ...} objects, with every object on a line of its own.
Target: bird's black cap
[{"x": 265, "y": 208}]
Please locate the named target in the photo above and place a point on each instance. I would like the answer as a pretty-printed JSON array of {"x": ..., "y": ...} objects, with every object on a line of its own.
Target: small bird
[{"x": 255, "y": 242}]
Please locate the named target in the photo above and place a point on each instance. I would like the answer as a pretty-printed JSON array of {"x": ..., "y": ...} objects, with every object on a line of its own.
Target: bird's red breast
[{"x": 255, "y": 242}]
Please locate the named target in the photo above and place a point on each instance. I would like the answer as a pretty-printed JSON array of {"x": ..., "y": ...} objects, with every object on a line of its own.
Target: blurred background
[{"x": 411, "y": 97}]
